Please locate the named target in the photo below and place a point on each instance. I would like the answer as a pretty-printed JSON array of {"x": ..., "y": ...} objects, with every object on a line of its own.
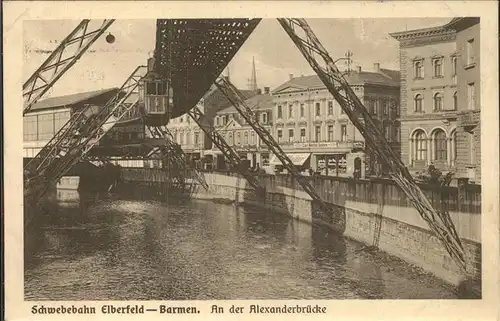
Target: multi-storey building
[
  {"x": 240, "y": 135},
  {"x": 187, "y": 133},
  {"x": 468, "y": 155},
  {"x": 438, "y": 81},
  {"x": 308, "y": 122},
  {"x": 47, "y": 116}
]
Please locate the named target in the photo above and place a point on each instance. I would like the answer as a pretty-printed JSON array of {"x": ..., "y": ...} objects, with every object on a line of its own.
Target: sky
[{"x": 275, "y": 54}]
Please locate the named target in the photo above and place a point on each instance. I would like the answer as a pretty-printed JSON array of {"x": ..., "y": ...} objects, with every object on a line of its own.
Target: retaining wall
[{"x": 369, "y": 217}]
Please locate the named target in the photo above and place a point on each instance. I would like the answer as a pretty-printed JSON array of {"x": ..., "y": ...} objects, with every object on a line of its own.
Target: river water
[{"x": 84, "y": 248}]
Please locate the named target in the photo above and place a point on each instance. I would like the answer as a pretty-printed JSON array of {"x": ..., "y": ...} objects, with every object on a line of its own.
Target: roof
[
  {"x": 257, "y": 102},
  {"x": 385, "y": 77},
  {"x": 455, "y": 24},
  {"x": 216, "y": 101},
  {"x": 69, "y": 100}
]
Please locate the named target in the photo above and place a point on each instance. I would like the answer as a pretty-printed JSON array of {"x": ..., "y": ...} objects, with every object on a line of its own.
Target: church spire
[{"x": 252, "y": 85}]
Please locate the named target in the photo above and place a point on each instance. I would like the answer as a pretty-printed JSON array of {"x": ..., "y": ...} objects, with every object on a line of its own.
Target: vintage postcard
[{"x": 269, "y": 160}]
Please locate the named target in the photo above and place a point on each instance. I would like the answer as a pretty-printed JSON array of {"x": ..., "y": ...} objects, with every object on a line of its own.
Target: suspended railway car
[{"x": 155, "y": 98}]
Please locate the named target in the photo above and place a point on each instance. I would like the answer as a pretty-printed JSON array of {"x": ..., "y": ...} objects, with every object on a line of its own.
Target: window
[
  {"x": 238, "y": 138},
  {"x": 302, "y": 110},
  {"x": 188, "y": 139},
  {"x": 290, "y": 111},
  {"x": 252, "y": 138},
  {"x": 45, "y": 126},
  {"x": 454, "y": 66},
  {"x": 196, "y": 139},
  {"x": 302, "y": 134},
  {"x": 182, "y": 138},
  {"x": 418, "y": 103},
  {"x": 387, "y": 133},
  {"x": 280, "y": 135},
  {"x": 371, "y": 106},
  {"x": 455, "y": 101},
  {"x": 318, "y": 109},
  {"x": 60, "y": 119},
  {"x": 30, "y": 130},
  {"x": 330, "y": 108},
  {"x": 245, "y": 138},
  {"x": 438, "y": 102},
  {"x": 317, "y": 133},
  {"x": 438, "y": 67},
  {"x": 397, "y": 134},
  {"x": 471, "y": 96},
  {"x": 470, "y": 52},
  {"x": 330, "y": 133},
  {"x": 420, "y": 141},
  {"x": 226, "y": 119},
  {"x": 280, "y": 112},
  {"x": 387, "y": 105},
  {"x": 376, "y": 107},
  {"x": 290, "y": 135},
  {"x": 230, "y": 138},
  {"x": 343, "y": 133},
  {"x": 419, "y": 69},
  {"x": 440, "y": 145},
  {"x": 181, "y": 120},
  {"x": 264, "y": 118}
]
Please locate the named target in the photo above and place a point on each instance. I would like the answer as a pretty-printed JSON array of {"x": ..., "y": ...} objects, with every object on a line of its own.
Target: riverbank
[
  {"x": 374, "y": 213},
  {"x": 397, "y": 230}
]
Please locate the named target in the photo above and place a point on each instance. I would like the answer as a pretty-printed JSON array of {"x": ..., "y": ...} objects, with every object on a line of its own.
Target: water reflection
[{"x": 85, "y": 247}]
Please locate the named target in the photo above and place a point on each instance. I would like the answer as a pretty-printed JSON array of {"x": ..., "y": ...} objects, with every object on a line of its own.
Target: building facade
[
  {"x": 240, "y": 135},
  {"x": 47, "y": 117},
  {"x": 307, "y": 119},
  {"x": 434, "y": 93},
  {"x": 468, "y": 161},
  {"x": 194, "y": 142}
]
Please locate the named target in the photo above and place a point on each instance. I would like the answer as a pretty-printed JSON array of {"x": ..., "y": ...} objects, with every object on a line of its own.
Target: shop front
[{"x": 302, "y": 162}]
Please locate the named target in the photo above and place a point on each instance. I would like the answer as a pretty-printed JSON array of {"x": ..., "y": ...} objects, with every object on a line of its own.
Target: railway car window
[{"x": 151, "y": 88}]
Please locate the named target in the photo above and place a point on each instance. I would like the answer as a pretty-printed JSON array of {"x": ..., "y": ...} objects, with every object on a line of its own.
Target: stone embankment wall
[{"x": 376, "y": 213}]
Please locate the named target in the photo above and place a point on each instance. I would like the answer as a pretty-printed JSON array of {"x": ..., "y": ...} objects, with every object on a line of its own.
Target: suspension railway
[{"x": 189, "y": 57}]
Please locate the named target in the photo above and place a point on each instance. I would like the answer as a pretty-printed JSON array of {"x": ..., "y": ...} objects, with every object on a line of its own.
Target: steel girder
[
  {"x": 80, "y": 134},
  {"x": 61, "y": 60},
  {"x": 310, "y": 47},
  {"x": 233, "y": 158},
  {"x": 175, "y": 152},
  {"x": 192, "y": 53}
]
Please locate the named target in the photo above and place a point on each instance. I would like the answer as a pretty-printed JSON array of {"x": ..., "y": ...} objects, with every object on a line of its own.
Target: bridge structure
[{"x": 190, "y": 55}]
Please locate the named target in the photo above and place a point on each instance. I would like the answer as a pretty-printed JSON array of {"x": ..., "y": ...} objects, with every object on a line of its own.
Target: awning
[{"x": 297, "y": 159}]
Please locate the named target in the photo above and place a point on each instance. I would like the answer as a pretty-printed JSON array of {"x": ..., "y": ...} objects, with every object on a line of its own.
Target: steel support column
[
  {"x": 175, "y": 152},
  {"x": 227, "y": 151},
  {"x": 310, "y": 47},
  {"x": 238, "y": 102},
  {"x": 61, "y": 59},
  {"x": 80, "y": 134}
]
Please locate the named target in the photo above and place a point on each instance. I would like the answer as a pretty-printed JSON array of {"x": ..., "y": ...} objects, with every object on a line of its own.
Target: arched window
[
  {"x": 418, "y": 103},
  {"x": 438, "y": 67},
  {"x": 440, "y": 146},
  {"x": 420, "y": 141},
  {"x": 455, "y": 101},
  {"x": 438, "y": 102},
  {"x": 419, "y": 72},
  {"x": 245, "y": 138}
]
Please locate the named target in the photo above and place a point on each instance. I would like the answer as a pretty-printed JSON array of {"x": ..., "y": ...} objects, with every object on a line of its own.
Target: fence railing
[{"x": 338, "y": 190}]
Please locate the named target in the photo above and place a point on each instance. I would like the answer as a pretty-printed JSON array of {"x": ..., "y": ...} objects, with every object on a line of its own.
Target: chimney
[
  {"x": 259, "y": 91},
  {"x": 358, "y": 69},
  {"x": 151, "y": 63},
  {"x": 266, "y": 90},
  {"x": 290, "y": 76},
  {"x": 376, "y": 66}
]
